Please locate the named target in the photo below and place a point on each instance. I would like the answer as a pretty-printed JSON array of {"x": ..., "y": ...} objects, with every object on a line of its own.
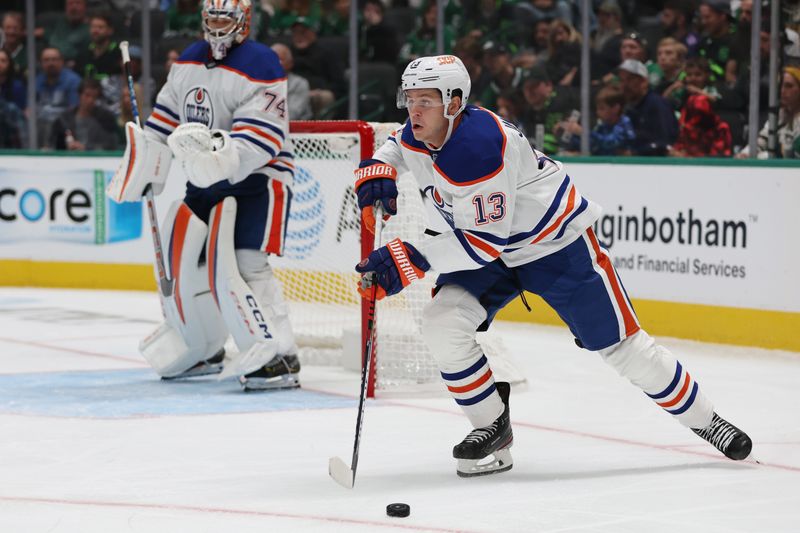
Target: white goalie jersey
[{"x": 245, "y": 94}]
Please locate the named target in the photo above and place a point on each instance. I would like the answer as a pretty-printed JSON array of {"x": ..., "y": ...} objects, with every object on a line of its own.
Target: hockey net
[{"x": 324, "y": 241}]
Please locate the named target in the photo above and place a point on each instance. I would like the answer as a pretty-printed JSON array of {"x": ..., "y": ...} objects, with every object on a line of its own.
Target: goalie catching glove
[
  {"x": 146, "y": 162},
  {"x": 207, "y": 156},
  {"x": 395, "y": 266},
  {"x": 376, "y": 182}
]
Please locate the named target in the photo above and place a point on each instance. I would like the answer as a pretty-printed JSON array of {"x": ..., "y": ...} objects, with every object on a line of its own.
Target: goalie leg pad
[
  {"x": 449, "y": 324},
  {"x": 146, "y": 161},
  {"x": 660, "y": 375},
  {"x": 193, "y": 331},
  {"x": 250, "y": 325}
]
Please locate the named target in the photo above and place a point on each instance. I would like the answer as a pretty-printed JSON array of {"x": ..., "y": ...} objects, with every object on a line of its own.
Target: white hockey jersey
[
  {"x": 244, "y": 94},
  {"x": 500, "y": 197}
]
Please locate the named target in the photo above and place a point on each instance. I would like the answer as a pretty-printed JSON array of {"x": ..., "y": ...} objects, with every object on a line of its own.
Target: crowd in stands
[{"x": 668, "y": 78}]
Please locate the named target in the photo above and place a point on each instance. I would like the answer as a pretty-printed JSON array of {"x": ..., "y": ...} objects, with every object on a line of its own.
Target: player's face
[{"x": 426, "y": 113}]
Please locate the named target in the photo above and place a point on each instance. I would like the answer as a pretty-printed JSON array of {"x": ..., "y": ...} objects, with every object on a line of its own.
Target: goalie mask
[
  {"x": 225, "y": 23},
  {"x": 446, "y": 73}
]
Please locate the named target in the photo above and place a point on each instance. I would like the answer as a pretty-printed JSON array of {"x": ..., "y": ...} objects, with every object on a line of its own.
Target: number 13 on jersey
[{"x": 496, "y": 204}]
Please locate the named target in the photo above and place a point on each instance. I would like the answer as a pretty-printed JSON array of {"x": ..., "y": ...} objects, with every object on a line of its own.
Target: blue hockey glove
[
  {"x": 376, "y": 182},
  {"x": 395, "y": 266}
]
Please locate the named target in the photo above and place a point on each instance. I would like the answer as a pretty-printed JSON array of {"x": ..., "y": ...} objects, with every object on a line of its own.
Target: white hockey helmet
[
  {"x": 445, "y": 73},
  {"x": 236, "y": 14}
]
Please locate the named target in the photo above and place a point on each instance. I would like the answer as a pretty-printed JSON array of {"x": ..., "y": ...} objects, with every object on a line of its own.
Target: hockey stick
[
  {"x": 165, "y": 285},
  {"x": 341, "y": 473}
]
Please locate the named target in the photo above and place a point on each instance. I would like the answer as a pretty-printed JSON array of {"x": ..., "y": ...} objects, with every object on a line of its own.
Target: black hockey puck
[{"x": 398, "y": 509}]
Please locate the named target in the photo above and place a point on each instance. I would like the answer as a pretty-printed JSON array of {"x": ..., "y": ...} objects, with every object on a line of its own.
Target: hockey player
[
  {"x": 517, "y": 222},
  {"x": 222, "y": 115}
]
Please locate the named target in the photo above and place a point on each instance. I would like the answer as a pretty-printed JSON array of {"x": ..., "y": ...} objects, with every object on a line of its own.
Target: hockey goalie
[{"x": 221, "y": 116}]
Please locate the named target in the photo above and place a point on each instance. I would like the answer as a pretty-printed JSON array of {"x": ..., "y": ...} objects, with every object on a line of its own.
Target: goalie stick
[
  {"x": 341, "y": 473},
  {"x": 165, "y": 285}
]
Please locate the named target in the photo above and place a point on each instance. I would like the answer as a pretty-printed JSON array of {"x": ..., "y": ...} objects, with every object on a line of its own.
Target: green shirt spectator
[{"x": 70, "y": 33}]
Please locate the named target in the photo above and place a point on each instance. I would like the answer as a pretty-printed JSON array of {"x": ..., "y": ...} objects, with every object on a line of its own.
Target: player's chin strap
[{"x": 451, "y": 123}]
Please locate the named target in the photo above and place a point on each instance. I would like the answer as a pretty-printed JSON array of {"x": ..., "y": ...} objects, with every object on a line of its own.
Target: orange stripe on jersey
[
  {"x": 178, "y": 238},
  {"x": 414, "y": 148},
  {"x": 631, "y": 326},
  {"x": 557, "y": 223},
  {"x": 478, "y": 243},
  {"x": 474, "y": 385},
  {"x": 257, "y": 132},
  {"x": 162, "y": 118},
  {"x": 211, "y": 256},
  {"x": 680, "y": 395},
  {"x": 276, "y": 228},
  {"x": 131, "y": 160}
]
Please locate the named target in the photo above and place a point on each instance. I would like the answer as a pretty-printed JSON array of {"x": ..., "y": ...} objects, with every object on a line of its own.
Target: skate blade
[
  {"x": 288, "y": 381},
  {"x": 254, "y": 358},
  {"x": 340, "y": 472},
  {"x": 499, "y": 461},
  {"x": 205, "y": 370}
]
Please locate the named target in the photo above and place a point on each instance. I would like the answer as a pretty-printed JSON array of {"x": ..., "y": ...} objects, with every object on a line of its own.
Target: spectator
[
  {"x": 12, "y": 121},
  {"x": 172, "y": 56},
  {"x": 652, "y": 117},
  {"x": 607, "y": 39},
  {"x": 88, "y": 126},
  {"x": 56, "y": 92},
  {"x": 13, "y": 30},
  {"x": 698, "y": 79},
  {"x": 716, "y": 45},
  {"x": 670, "y": 58},
  {"x": 504, "y": 76},
  {"x": 564, "y": 53},
  {"x": 546, "y": 106},
  {"x": 422, "y": 42},
  {"x": 378, "y": 40},
  {"x": 534, "y": 52},
  {"x": 298, "y": 89},
  {"x": 113, "y": 85},
  {"x": 470, "y": 51},
  {"x": 548, "y": 9},
  {"x": 336, "y": 20},
  {"x": 11, "y": 88},
  {"x": 702, "y": 132},
  {"x": 788, "y": 120},
  {"x": 676, "y": 22},
  {"x": 287, "y": 12},
  {"x": 183, "y": 19},
  {"x": 101, "y": 58},
  {"x": 490, "y": 20},
  {"x": 509, "y": 107},
  {"x": 613, "y": 134},
  {"x": 318, "y": 65},
  {"x": 70, "y": 33}
]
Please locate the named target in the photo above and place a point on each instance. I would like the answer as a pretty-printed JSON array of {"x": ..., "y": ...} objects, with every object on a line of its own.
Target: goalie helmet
[
  {"x": 444, "y": 73},
  {"x": 235, "y": 14}
]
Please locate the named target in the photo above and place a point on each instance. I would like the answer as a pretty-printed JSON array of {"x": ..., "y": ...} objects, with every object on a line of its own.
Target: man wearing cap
[
  {"x": 652, "y": 117},
  {"x": 504, "y": 75},
  {"x": 320, "y": 66},
  {"x": 715, "y": 19},
  {"x": 546, "y": 106}
]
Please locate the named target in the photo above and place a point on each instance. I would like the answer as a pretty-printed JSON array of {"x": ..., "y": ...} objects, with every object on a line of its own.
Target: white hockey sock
[
  {"x": 658, "y": 373},
  {"x": 473, "y": 389}
]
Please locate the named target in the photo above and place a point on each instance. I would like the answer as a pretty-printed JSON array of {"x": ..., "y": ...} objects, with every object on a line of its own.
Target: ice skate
[
  {"x": 280, "y": 373},
  {"x": 203, "y": 368},
  {"x": 492, "y": 442},
  {"x": 727, "y": 438}
]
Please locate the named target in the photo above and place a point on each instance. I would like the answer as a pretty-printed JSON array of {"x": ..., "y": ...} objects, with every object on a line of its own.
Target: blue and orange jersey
[{"x": 500, "y": 197}]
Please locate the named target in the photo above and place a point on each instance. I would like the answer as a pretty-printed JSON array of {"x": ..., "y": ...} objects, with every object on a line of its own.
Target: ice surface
[{"x": 91, "y": 441}]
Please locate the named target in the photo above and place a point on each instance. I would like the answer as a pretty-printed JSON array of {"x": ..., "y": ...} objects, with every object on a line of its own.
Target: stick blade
[{"x": 340, "y": 472}]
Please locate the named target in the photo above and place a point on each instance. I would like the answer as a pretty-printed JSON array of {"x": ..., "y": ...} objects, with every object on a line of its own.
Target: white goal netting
[{"x": 323, "y": 244}]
